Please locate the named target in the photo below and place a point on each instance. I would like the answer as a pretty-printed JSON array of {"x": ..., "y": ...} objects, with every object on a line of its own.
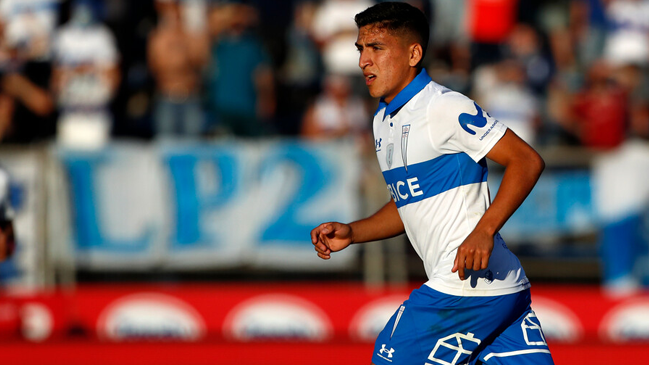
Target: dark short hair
[{"x": 397, "y": 17}]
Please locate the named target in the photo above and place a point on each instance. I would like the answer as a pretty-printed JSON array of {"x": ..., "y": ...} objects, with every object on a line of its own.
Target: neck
[{"x": 412, "y": 74}]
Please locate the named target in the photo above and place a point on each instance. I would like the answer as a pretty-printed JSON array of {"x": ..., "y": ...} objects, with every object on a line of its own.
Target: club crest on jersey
[
  {"x": 405, "y": 132},
  {"x": 389, "y": 151}
]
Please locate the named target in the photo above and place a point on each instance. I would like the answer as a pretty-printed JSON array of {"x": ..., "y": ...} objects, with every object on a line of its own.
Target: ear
[{"x": 416, "y": 54}]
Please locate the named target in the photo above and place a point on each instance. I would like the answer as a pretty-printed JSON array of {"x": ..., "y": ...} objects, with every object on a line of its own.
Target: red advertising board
[{"x": 257, "y": 318}]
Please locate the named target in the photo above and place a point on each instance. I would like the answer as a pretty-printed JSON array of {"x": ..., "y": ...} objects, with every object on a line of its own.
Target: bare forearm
[
  {"x": 385, "y": 223},
  {"x": 519, "y": 179},
  {"x": 523, "y": 166}
]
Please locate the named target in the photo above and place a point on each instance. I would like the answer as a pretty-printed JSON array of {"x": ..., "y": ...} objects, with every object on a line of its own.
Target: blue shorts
[{"x": 431, "y": 328}]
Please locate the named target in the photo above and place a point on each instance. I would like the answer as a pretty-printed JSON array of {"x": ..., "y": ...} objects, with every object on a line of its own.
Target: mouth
[{"x": 369, "y": 78}]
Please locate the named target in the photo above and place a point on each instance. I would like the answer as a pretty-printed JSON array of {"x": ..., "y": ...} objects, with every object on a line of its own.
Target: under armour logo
[
  {"x": 384, "y": 350},
  {"x": 477, "y": 120},
  {"x": 377, "y": 143}
]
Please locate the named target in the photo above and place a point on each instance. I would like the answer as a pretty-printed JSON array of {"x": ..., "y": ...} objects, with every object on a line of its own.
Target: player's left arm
[{"x": 523, "y": 166}]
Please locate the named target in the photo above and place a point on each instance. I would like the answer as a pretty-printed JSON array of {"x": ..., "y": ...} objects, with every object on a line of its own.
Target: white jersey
[{"x": 431, "y": 143}]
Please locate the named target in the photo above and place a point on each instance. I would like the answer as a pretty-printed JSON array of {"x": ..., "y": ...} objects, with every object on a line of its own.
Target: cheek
[{"x": 390, "y": 71}]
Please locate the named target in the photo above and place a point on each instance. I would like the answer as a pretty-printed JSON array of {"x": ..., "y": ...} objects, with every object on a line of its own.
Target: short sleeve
[{"x": 458, "y": 124}]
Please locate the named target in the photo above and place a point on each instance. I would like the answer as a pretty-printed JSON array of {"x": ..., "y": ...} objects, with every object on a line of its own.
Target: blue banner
[{"x": 192, "y": 206}]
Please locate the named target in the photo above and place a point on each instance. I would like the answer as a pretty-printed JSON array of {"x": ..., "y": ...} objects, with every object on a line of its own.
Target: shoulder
[
  {"x": 458, "y": 124},
  {"x": 449, "y": 105}
]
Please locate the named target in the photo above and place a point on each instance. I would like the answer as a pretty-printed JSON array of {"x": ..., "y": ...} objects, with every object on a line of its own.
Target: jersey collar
[{"x": 404, "y": 96}]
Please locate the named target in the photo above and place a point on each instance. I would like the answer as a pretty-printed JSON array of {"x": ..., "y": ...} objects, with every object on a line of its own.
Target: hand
[
  {"x": 473, "y": 253},
  {"x": 331, "y": 237}
]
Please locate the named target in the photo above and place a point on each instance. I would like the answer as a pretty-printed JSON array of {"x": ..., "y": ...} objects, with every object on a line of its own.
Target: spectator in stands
[
  {"x": 600, "y": 110},
  {"x": 334, "y": 31},
  {"x": 302, "y": 62},
  {"x": 587, "y": 26},
  {"x": 336, "y": 113},
  {"x": 85, "y": 78},
  {"x": 634, "y": 80},
  {"x": 177, "y": 57},
  {"x": 524, "y": 46},
  {"x": 503, "y": 90},
  {"x": 241, "y": 84},
  {"x": 575, "y": 39},
  {"x": 300, "y": 75},
  {"x": 26, "y": 107},
  {"x": 628, "y": 38},
  {"x": 627, "y": 50},
  {"x": 18, "y": 92}
]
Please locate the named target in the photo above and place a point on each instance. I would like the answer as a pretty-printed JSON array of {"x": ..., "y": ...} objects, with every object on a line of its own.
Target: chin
[{"x": 376, "y": 94}]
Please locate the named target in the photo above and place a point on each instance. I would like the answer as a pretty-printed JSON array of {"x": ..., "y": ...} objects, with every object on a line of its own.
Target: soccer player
[{"x": 431, "y": 144}]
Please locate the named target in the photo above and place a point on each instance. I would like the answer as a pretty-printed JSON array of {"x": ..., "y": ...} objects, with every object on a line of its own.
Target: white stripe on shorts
[
  {"x": 396, "y": 321},
  {"x": 514, "y": 353}
]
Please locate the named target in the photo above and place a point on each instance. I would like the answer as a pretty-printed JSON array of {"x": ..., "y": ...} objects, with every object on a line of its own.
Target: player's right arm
[{"x": 333, "y": 236}]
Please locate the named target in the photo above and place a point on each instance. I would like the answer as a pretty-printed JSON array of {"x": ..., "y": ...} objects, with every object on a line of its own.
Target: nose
[{"x": 364, "y": 59}]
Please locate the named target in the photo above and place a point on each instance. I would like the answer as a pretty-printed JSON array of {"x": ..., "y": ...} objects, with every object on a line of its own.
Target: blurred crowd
[{"x": 84, "y": 71}]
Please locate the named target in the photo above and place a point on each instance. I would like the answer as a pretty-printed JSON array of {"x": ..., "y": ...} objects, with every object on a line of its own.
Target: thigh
[
  {"x": 523, "y": 342},
  {"x": 439, "y": 329}
]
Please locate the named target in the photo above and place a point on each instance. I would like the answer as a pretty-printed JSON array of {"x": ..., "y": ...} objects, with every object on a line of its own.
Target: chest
[{"x": 402, "y": 140}]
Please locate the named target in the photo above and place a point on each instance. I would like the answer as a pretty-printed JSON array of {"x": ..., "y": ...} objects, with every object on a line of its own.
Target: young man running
[{"x": 431, "y": 146}]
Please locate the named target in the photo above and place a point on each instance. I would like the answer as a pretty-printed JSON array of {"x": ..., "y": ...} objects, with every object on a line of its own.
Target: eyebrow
[{"x": 371, "y": 44}]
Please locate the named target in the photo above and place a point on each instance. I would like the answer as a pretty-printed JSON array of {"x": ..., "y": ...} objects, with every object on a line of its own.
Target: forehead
[{"x": 376, "y": 33}]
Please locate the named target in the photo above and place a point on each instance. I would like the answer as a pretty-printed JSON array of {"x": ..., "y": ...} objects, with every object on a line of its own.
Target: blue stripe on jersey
[{"x": 429, "y": 178}]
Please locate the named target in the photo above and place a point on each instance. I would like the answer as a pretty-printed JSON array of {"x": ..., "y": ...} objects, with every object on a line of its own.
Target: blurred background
[{"x": 165, "y": 161}]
